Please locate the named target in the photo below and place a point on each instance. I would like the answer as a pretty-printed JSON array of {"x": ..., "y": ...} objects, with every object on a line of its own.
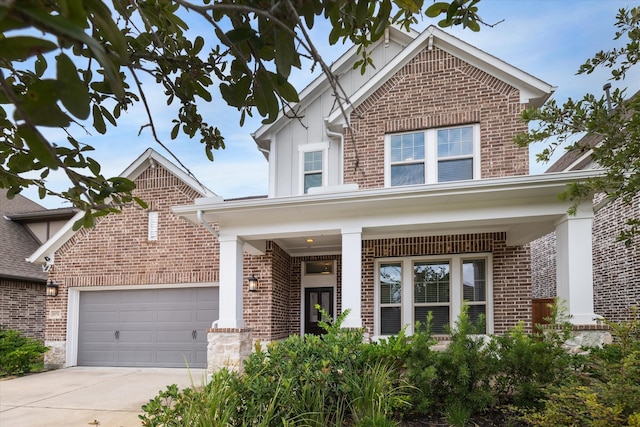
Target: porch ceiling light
[
  {"x": 52, "y": 289},
  {"x": 253, "y": 283}
]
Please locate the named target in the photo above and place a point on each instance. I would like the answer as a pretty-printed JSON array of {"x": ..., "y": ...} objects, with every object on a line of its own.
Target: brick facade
[
  {"x": 616, "y": 268},
  {"x": 436, "y": 89},
  {"x": 22, "y": 307},
  {"x": 117, "y": 252}
]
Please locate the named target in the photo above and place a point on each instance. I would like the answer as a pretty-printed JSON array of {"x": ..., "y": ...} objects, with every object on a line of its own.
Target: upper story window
[
  {"x": 313, "y": 166},
  {"x": 432, "y": 155},
  {"x": 312, "y": 170}
]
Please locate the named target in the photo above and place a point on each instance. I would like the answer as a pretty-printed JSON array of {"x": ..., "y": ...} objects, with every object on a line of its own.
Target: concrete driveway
[{"x": 84, "y": 396}]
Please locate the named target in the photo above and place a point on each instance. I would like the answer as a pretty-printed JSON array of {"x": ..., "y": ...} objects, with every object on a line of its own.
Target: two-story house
[{"x": 409, "y": 198}]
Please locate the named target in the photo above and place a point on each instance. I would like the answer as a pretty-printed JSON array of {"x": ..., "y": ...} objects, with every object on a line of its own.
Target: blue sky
[{"x": 549, "y": 39}]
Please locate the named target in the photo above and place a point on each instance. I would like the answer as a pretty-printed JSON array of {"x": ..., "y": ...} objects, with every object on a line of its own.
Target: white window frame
[
  {"x": 307, "y": 148},
  {"x": 455, "y": 287},
  {"x": 431, "y": 153}
]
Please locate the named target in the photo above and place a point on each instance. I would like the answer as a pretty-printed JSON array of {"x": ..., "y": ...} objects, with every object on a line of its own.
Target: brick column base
[{"x": 228, "y": 348}]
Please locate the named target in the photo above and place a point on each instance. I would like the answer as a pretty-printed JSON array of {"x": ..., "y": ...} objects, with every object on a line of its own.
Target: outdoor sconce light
[
  {"x": 253, "y": 283},
  {"x": 52, "y": 289}
]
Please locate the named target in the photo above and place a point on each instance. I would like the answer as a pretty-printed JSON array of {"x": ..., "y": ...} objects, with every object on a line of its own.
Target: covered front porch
[{"x": 272, "y": 238}]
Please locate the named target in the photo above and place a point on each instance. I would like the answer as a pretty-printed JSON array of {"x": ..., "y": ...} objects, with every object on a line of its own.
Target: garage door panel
[
  {"x": 155, "y": 327},
  {"x": 178, "y": 315},
  {"x": 174, "y": 336}
]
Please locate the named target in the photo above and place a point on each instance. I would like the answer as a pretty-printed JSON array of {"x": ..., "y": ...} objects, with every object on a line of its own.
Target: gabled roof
[
  {"x": 17, "y": 243},
  {"x": 150, "y": 158},
  {"x": 532, "y": 89},
  {"x": 320, "y": 84}
]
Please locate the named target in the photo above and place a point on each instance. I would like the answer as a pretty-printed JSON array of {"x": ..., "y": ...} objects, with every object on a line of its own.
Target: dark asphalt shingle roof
[{"x": 16, "y": 243}]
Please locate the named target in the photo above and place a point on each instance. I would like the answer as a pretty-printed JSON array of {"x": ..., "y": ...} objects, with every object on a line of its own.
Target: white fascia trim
[
  {"x": 555, "y": 180},
  {"x": 150, "y": 155},
  {"x": 530, "y": 86},
  {"x": 49, "y": 247}
]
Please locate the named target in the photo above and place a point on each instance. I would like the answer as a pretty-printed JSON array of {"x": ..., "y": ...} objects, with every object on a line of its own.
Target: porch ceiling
[{"x": 524, "y": 207}]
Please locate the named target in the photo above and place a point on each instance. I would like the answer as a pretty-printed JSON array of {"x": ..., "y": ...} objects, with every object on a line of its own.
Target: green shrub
[
  {"x": 525, "y": 364},
  {"x": 457, "y": 378},
  {"x": 606, "y": 392},
  {"x": 19, "y": 354},
  {"x": 213, "y": 406}
]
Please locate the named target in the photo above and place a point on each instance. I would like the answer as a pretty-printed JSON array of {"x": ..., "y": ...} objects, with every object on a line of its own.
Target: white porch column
[
  {"x": 574, "y": 264},
  {"x": 352, "y": 276},
  {"x": 231, "y": 281}
]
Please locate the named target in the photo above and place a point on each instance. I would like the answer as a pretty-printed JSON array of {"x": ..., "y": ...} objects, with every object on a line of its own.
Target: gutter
[
  {"x": 332, "y": 134},
  {"x": 206, "y": 224}
]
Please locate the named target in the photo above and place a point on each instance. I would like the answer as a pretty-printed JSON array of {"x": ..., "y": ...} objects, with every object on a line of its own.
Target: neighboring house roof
[
  {"x": 150, "y": 158},
  {"x": 532, "y": 90},
  {"x": 17, "y": 242},
  {"x": 578, "y": 159}
]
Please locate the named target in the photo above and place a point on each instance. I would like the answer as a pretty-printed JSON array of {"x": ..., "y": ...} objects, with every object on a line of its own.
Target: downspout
[
  {"x": 206, "y": 224},
  {"x": 332, "y": 134}
]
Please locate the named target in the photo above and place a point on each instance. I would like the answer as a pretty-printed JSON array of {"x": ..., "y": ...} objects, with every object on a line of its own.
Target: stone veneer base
[
  {"x": 56, "y": 357},
  {"x": 228, "y": 348}
]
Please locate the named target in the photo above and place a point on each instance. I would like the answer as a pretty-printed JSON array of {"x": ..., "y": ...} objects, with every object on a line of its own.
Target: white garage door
[{"x": 146, "y": 327}]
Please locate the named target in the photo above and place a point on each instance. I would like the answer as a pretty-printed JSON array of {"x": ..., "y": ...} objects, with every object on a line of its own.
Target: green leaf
[
  {"x": 285, "y": 51},
  {"x": 412, "y": 6},
  {"x": 39, "y": 147},
  {"x": 98, "y": 120},
  {"x": 72, "y": 91},
  {"x": 23, "y": 47},
  {"x": 436, "y": 9},
  {"x": 198, "y": 44},
  {"x": 40, "y": 65},
  {"x": 67, "y": 28},
  {"x": 238, "y": 35}
]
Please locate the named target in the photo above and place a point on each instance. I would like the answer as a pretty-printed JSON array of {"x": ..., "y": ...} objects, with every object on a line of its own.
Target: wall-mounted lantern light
[
  {"x": 253, "y": 283},
  {"x": 52, "y": 289}
]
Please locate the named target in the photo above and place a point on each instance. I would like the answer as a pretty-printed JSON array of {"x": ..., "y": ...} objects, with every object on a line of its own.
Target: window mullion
[
  {"x": 407, "y": 295},
  {"x": 456, "y": 288},
  {"x": 431, "y": 161}
]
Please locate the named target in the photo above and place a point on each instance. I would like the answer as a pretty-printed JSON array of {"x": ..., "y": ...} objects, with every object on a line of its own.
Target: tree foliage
[
  {"x": 78, "y": 65},
  {"x": 611, "y": 123}
]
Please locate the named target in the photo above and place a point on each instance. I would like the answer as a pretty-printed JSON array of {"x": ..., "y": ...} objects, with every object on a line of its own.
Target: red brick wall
[
  {"x": 543, "y": 266},
  {"x": 436, "y": 89},
  {"x": 22, "y": 307},
  {"x": 511, "y": 272},
  {"x": 616, "y": 268},
  {"x": 116, "y": 251}
]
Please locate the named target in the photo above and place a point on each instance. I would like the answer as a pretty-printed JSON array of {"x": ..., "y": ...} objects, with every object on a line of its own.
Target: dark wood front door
[{"x": 324, "y": 298}]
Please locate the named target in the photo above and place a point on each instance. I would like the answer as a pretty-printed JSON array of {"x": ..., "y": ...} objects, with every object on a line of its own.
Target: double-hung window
[
  {"x": 432, "y": 155},
  {"x": 312, "y": 170},
  {"x": 313, "y": 166},
  {"x": 409, "y": 290}
]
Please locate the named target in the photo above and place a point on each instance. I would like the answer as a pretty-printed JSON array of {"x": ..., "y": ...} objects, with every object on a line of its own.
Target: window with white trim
[
  {"x": 432, "y": 155},
  {"x": 408, "y": 289},
  {"x": 312, "y": 170}
]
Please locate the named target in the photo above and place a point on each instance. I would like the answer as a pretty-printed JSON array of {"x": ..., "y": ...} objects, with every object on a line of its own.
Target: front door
[{"x": 312, "y": 297}]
